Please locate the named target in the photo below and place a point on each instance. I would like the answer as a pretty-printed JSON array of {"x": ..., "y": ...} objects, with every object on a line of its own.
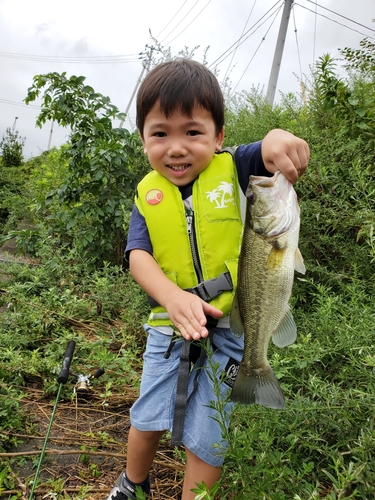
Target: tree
[
  {"x": 362, "y": 60},
  {"x": 11, "y": 147},
  {"x": 105, "y": 164},
  {"x": 351, "y": 104}
]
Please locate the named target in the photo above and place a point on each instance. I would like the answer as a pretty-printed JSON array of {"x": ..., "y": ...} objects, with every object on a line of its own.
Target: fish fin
[
  {"x": 286, "y": 332},
  {"x": 235, "y": 320},
  {"x": 275, "y": 257},
  {"x": 258, "y": 389},
  {"x": 299, "y": 266}
]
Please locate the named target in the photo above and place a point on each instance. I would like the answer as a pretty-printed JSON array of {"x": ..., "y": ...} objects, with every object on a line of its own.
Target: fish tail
[{"x": 258, "y": 389}]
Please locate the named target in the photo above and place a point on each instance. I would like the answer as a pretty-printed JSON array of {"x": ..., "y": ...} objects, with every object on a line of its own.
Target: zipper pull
[{"x": 189, "y": 220}]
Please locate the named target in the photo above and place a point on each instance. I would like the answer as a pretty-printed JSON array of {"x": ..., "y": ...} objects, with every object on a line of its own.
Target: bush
[{"x": 11, "y": 147}]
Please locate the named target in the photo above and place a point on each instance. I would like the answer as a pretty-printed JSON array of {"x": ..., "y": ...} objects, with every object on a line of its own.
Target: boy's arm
[
  {"x": 186, "y": 310},
  {"x": 283, "y": 151}
]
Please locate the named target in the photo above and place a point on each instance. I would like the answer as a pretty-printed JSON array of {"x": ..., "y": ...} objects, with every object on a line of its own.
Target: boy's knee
[{"x": 149, "y": 436}]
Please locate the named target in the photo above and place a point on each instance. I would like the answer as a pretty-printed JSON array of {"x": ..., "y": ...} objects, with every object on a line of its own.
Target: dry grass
[{"x": 86, "y": 448}]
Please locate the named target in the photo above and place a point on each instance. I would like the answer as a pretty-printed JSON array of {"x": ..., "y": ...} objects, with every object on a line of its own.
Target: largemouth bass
[{"x": 269, "y": 255}]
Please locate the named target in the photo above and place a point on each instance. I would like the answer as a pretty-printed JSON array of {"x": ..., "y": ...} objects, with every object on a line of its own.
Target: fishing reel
[{"x": 83, "y": 384}]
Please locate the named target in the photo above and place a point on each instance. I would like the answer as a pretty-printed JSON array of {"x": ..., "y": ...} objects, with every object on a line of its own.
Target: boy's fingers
[
  {"x": 211, "y": 310},
  {"x": 190, "y": 332},
  {"x": 292, "y": 166},
  {"x": 192, "y": 325}
]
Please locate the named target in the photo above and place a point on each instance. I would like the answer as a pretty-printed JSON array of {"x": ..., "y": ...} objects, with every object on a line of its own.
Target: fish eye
[{"x": 251, "y": 196}]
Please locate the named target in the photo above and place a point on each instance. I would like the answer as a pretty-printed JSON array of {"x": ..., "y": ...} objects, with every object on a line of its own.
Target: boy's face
[{"x": 180, "y": 147}]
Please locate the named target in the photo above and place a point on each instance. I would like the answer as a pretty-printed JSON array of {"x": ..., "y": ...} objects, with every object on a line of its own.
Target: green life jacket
[{"x": 218, "y": 228}]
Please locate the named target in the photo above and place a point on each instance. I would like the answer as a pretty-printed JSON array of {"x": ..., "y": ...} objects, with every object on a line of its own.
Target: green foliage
[
  {"x": 7, "y": 481},
  {"x": 338, "y": 218},
  {"x": 331, "y": 89},
  {"x": 349, "y": 108},
  {"x": 11, "y": 148},
  {"x": 11, "y": 417},
  {"x": 362, "y": 60},
  {"x": 321, "y": 446},
  {"x": 14, "y": 200},
  {"x": 105, "y": 164},
  {"x": 249, "y": 117},
  {"x": 58, "y": 299},
  {"x": 45, "y": 174}
]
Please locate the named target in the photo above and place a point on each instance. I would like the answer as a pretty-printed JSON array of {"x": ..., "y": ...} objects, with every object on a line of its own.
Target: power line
[
  {"x": 263, "y": 39},
  {"x": 15, "y": 103},
  {"x": 199, "y": 13},
  {"x": 73, "y": 59},
  {"x": 315, "y": 25},
  {"x": 241, "y": 40},
  {"x": 297, "y": 44},
  {"x": 178, "y": 24},
  {"x": 334, "y": 21},
  {"x": 169, "y": 22},
  {"x": 243, "y": 30},
  {"x": 340, "y": 15}
]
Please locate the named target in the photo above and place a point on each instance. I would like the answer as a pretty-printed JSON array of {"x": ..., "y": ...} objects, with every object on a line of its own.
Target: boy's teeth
[{"x": 180, "y": 167}]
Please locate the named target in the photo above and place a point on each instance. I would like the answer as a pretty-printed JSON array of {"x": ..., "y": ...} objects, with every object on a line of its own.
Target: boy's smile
[{"x": 179, "y": 146}]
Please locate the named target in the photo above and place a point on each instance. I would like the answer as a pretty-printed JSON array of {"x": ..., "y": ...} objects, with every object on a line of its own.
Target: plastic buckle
[
  {"x": 218, "y": 285},
  {"x": 201, "y": 291}
]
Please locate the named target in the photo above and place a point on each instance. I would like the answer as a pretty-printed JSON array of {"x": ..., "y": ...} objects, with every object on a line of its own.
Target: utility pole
[
  {"x": 14, "y": 124},
  {"x": 146, "y": 68},
  {"x": 50, "y": 137},
  {"x": 272, "y": 83}
]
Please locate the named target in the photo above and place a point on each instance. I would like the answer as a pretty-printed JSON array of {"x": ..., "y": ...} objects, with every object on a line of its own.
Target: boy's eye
[
  {"x": 193, "y": 132},
  {"x": 160, "y": 134}
]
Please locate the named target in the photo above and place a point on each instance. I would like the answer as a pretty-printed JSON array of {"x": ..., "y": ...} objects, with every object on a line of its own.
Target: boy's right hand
[
  {"x": 186, "y": 310},
  {"x": 188, "y": 313}
]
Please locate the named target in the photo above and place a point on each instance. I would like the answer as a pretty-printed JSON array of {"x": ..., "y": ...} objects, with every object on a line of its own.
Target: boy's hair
[{"x": 180, "y": 84}]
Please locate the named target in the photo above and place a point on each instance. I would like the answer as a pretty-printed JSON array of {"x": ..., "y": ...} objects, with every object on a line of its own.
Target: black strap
[
  {"x": 183, "y": 381},
  {"x": 181, "y": 395},
  {"x": 207, "y": 290}
]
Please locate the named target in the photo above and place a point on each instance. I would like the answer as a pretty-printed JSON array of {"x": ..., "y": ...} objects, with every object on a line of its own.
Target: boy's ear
[
  {"x": 219, "y": 140},
  {"x": 143, "y": 142}
]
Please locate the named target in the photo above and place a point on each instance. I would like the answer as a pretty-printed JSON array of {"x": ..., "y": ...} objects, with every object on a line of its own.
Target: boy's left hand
[{"x": 283, "y": 151}]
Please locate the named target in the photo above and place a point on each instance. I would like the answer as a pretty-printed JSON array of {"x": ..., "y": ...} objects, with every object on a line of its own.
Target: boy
[{"x": 183, "y": 247}]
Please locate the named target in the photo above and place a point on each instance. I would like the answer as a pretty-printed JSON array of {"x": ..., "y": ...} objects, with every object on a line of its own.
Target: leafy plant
[
  {"x": 11, "y": 416},
  {"x": 104, "y": 165},
  {"x": 11, "y": 147}
]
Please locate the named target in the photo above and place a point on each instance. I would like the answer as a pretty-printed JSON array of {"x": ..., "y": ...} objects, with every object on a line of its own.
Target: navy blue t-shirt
[{"x": 248, "y": 161}]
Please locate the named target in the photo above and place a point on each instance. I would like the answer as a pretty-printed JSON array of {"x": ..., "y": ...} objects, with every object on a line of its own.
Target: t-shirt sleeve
[
  {"x": 138, "y": 236},
  {"x": 249, "y": 162}
]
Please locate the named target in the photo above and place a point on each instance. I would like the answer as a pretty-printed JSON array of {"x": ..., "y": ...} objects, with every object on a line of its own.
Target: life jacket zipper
[{"x": 193, "y": 243}]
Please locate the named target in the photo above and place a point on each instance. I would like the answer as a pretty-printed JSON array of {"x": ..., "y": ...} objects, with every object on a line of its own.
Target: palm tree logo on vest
[{"x": 221, "y": 195}]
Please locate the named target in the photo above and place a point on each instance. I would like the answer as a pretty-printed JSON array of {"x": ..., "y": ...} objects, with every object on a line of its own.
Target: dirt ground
[{"x": 86, "y": 449}]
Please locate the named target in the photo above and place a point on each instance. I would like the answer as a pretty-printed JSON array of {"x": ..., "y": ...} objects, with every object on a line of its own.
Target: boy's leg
[
  {"x": 197, "y": 471},
  {"x": 142, "y": 447}
]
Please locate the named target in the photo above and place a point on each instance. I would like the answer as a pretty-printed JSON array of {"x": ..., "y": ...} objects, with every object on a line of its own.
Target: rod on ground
[{"x": 61, "y": 379}]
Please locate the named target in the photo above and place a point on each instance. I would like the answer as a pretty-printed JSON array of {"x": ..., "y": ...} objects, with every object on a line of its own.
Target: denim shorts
[{"x": 154, "y": 409}]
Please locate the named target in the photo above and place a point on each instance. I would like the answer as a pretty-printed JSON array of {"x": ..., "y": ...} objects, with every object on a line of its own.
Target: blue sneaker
[{"x": 124, "y": 489}]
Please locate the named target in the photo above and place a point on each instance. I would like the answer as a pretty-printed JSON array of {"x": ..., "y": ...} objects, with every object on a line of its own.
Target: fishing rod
[{"x": 81, "y": 388}]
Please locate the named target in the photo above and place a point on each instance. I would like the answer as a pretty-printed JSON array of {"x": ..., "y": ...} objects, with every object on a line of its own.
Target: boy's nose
[{"x": 177, "y": 148}]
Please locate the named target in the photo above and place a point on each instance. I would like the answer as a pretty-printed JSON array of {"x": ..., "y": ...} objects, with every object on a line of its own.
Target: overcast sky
[{"x": 102, "y": 41}]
